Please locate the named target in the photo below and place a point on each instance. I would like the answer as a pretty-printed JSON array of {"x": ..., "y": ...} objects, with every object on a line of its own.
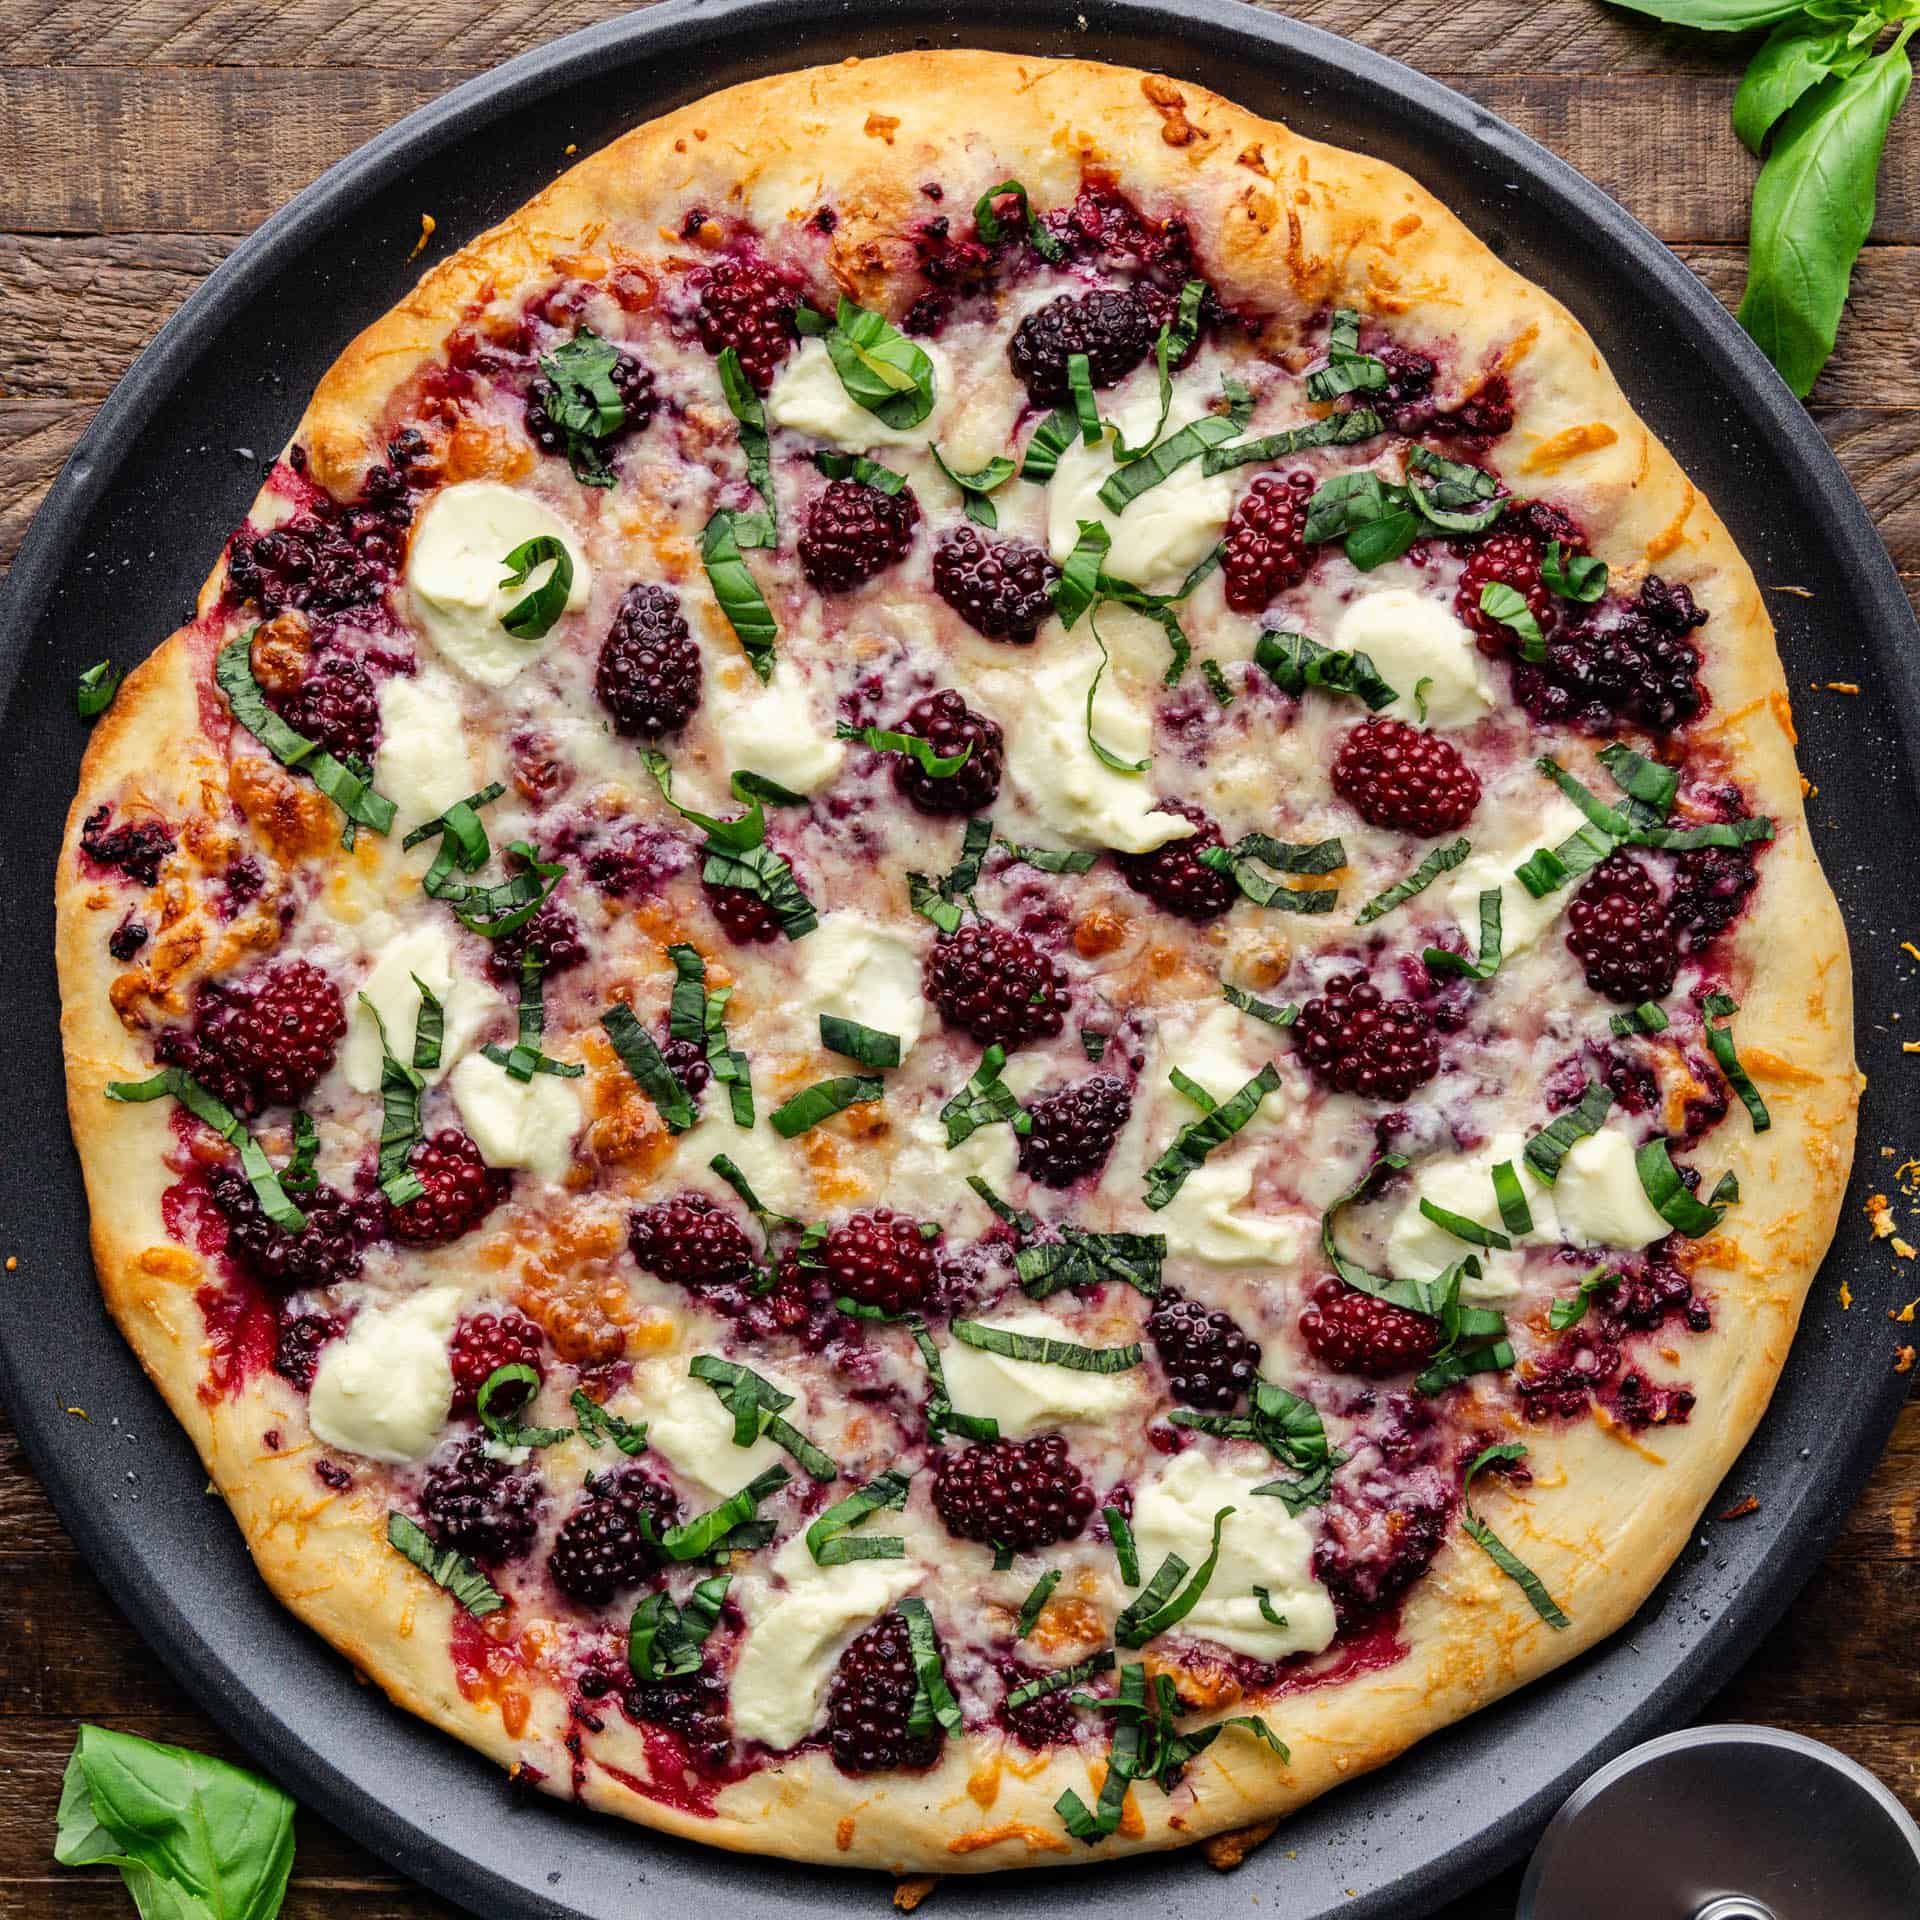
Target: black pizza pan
[{"x": 112, "y": 564}]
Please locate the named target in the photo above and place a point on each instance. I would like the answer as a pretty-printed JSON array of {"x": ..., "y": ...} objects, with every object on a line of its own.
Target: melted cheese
[
  {"x": 1207, "y": 1220},
  {"x": 1261, "y": 1545},
  {"x": 1601, "y": 1200},
  {"x": 808, "y": 398},
  {"x": 517, "y": 1123},
  {"x": 1411, "y": 637},
  {"x": 385, "y": 1388},
  {"x": 857, "y": 970},
  {"x": 454, "y": 574},
  {"x": 775, "y": 1169},
  {"x": 424, "y": 764},
  {"x": 1033, "y": 1396}
]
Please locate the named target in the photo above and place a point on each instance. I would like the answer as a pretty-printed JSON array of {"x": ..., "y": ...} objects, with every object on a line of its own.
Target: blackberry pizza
[{"x": 963, "y": 1003}]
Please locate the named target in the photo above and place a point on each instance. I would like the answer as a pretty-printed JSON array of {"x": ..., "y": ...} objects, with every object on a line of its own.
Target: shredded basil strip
[
  {"x": 939, "y": 902},
  {"x": 856, "y": 466},
  {"x": 1294, "y": 663},
  {"x": 1718, "y": 1007},
  {"x": 597, "y": 1424},
  {"x": 1463, "y": 498},
  {"x": 299, "y": 1170},
  {"x": 987, "y": 223},
  {"x": 1218, "y": 685},
  {"x": 1044, "y": 1350},
  {"x": 1372, "y": 518},
  {"x": 736, "y": 851},
  {"x": 641, "y": 1056},
  {"x": 757, "y": 1406},
  {"x": 504, "y": 1428},
  {"x": 1570, "y": 1312},
  {"x": 1441, "y": 860},
  {"x": 1290, "y": 1429},
  {"x": 747, "y": 409},
  {"x": 915, "y": 746},
  {"x": 975, "y": 487},
  {"x": 1647, "y": 1017},
  {"x": 350, "y": 791},
  {"x": 1030, "y": 1609},
  {"x": 444, "y": 1566},
  {"x": 1198, "y": 1138},
  {"x": 1105, "y": 755},
  {"x": 1140, "y": 1622},
  {"x": 1264, "y": 1598},
  {"x": 698, "y": 1015},
  {"x": 1669, "y": 1195},
  {"x": 1049, "y": 440},
  {"x": 1082, "y": 1259},
  {"x": 827, "y": 1537},
  {"x": 1571, "y": 575},
  {"x": 822, "y": 1101},
  {"x": 1489, "y": 1543},
  {"x": 880, "y": 368},
  {"x": 1282, "y": 1015},
  {"x": 1086, "y": 409},
  {"x": 1159, "y": 461},
  {"x": 1486, "y": 963},
  {"x": 1336, "y": 430},
  {"x": 179, "y": 1084},
  {"x": 1545, "y": 1151},
  {"x": 1238, "y": 863},
  {"x": 1509, "y": 606},
  {"x": 93, "y": 692},
  {"x": 1079, "y": 584},
  {"x": 739, "y": 595},
  {"x": 866, "y": 1046},
  {"x": 942, "y": 1417},
  {"x": 1053, "y": 859},
  {"x": 1347, "y": 370},
  {"x": 1062, "y": 1677},
  {"x": 665, "y": 1640},
  {"x": 401, "y": 1086},
  {"x": 1093, "y": 1044},
  {"x": 933, "y": 1701},
  {"x": 534, "y": 617},
  {"x": 1022, "y": 1222},
  {"x": 1471, "y": 1231},
  {"x": 463, "y": 838},
  {"x": 1124, "y": 1550},
  {"x": 585, "y": 404},
  {"x": 1511, "y": 1198},
  {"x": 707, "y": 1532},
  {"x": 769, "y": 1220},
  {"x": 985, "y": 1100}
]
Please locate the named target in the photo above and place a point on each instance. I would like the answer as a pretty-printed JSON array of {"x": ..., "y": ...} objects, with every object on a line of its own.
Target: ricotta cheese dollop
[
  {"x": 455, "y": 567},
  {"x": 1411, "y": 638},
  {"x": 425, "y": 955},
  {"x": 772, "y": 730},
  {"x": 384, "y": 1389},
  {"x": 424, "y": 764},
  {"x": 517, "y": 1123},
  {"x": 1601, "y": 1200},
  {"x": 857, "y": 970},
  {"x": 689, "y": 1428},
  {"x": 807, "y": 397},
  {"x": 1033, "y": 1396},
  {"x": 1418, "y": 1248},
  {"x": 1523, "y": 917}
]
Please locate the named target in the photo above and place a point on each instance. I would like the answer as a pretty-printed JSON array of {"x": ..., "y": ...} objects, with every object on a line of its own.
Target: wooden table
[{"x": 140, "y": 141}]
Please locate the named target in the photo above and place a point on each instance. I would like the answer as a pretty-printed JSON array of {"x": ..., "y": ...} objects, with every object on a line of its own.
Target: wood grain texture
[{"x": 140, "y": 142}]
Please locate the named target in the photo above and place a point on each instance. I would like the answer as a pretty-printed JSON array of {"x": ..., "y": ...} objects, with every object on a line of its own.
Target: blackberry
[
  {"x": 1619, "y": 931},
  {"x": 1173, "y": 876},
  {"x": 1510, "y": 558},
  {"x": 483, "y": 1342},
  {"x": 1209, "y": 1361},
  {"x": 553, "y": 933},
  {"x": 1710, "y": 887},
  {"x": 1403, "y": 777},
  {"x": 689, "y": 1242},
  {"x": 603, "y": 1544},
  {"x": 1101, "y": 225},
  {"x": 127, "y": 938},
  {"x": 481, "y": 1505},
  {"x": 1050, "y": 1721},
  {"x": 870, "y": 1702},
  {"x": 1266, "y": 541},
  {"x": 136, "y": 848},
  {"x": 265, "y": 1039},
  {"x": 1074, "y": 1129},
  {"x": 1353, "y": 1332},
  {"x": 996, "y": 984},
  {"x": 336, "y": 706},
  {"x": 1486, "y": 416},
  {"x": 688, "y": 1059},
  {"x": 749, "y": 306},
  {"x": 1630, "y": 664},
  {"x": 461, "y": 1190},
  {"x": 649, "y": 672},
  {"x": 797, "y": 1307},
  {"x": 637, "y": 862},
  {"x": 950, "y": 726},
  {"x": 1405, "y": 400},
  {"x": 1354, "y": 1040},
  {"x": 1017, "y": 1493},
  {"x": 881, "y": 1259},
  {"x": 1371, "y": 1550},
  {"x": 693, "y": 1705},
  {"x": 329, "y": 1249},
  {"x": 745, "y": 918},
  {"x": 631, "y": 381},
  {"x": 1000, "y": 588},
  {"x": 854, "y": 531},
  {"x": 1114, "y": 327},
  {"x": 297, "y": 1346}
]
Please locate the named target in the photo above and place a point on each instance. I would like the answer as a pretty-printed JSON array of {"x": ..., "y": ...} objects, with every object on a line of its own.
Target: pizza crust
[{"x": 1277, "y": 214}]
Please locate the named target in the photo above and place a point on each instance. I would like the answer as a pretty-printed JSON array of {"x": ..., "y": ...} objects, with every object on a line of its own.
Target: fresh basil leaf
[
  {"x": 1505, "y": 604},
  {"x": 1668, "y": 1194},
  {"x": 1078, "y": 586},
  {"x": 757, "y": 1406},
  {"x": 1511, "y": 1198},
  {"x": 770, "y": 1221},
  {"x": 827, "y": 1537},
  {"x": 194, "y": 1838},
  {"x": 744, "y": 403},
  {"x": 1457, "y": 1224},
  {"x": 1295, "y": 663},
  {"x": 1082, "y": 1259},
  {"x": 699, "y": 1016},
  {"x": 739, "y": 595},
  {"x": 1371, "y": 518},
  {"x": 1549, "y": 1147},
  {"x": 444, "y": 1567},
  {"x": 822, "y": 1101},
  {"x": 1441, "y": 860},
  {"x": 1238, "y": 862},
  {"x": 1163, "y": 459},
  {"x": 1573, "y": 576},
  {"x": 1336, "y": 430},
  {"x": 1120, "y": 1529},
  {"x": 856, "y": 466},
  {"x": 93, "y": 692},
  {"x": 1813, "y": 207},
  {"x": 1720, "y": 1006},
  {"x": 501, "y": 1424},
  {"x": 914, "y": 746},
  {"x": 1049, "y": 440},
  {"x": 1044, "y": 1349},
  {"x": 866, "y": 1046},
  {"x": 641, "y": 1056},
  {"x": 736, "y": 850},
  {"x": 976, "y": 486},
  {"x": 1198, "y": 1138},
  {"x": 712, "y": 1531},
  {"x": 1645, "y": 1018},
  {"x": 1715, "y": 16},
  {"x": 1140, "y": 1622},
  {"x": 1030, "y": 1610},
  {"x": 664, "y": 1640},
  {"x": 879, "y": 367},
  {"x": 939, "y": 901},
  {"x": 1489, "y": 1543},
  {"x": 984, "y": 1101},
  {"x": 1283, "y": 1015},
  {"x": 178, "y": 1084},
  {"x": 1290, "y": 1428},
  {"x": 1486, "y": 963},
  {"x": 1463, "y": 499},
  {"x": 463, "y": 838},
  {"x": 1053, "y": 859},
  {"x": 1563, "y": 1314},
  {"x": 987, "y": 221},
  {"x": 350, "y": 791},
  {"x": 585, "y": 404},
  {"x": 534, "y": 617},
  {"x": 933, "y": 1701},
  {"x": 1347, "y": 369},
  {"x": 597, "y": 1424}
]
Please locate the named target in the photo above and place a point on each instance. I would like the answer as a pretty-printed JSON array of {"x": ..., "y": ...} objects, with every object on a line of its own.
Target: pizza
[{"x": 963, "y": 1004}]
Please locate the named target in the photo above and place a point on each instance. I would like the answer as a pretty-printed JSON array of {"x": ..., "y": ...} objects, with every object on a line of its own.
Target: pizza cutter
[{"x": 1727, "y": 1823}]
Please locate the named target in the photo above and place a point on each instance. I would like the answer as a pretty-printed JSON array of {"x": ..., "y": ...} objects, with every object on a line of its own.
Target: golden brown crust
[{"x": 1606, "y": 1513}]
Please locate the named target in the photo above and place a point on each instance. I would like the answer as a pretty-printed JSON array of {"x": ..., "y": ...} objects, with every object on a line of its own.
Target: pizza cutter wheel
[{"x": 1727, "y": 1823}]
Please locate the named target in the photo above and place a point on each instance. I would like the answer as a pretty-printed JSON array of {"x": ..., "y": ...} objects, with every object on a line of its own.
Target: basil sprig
[
  {"x": 1082, "y": 1259},
  {"x": 916, "y": 747},
  {"x": 1720, "y": 1007},
  {"x": 349, "y": 788},
  {"x": 1241, "y": 863},
  {"x": 1294, "y": 663},
  {"x": 665, "y": 1639},
  {"x": 534, "y": 617},
  {"x": 988, "y": 221},
  {"x": 880, "y": 368},
  {"x": 1441, "y": 860},
  {"x": 1218, "y": 1123},
  {"x": 758, "y": 1407},
  {"x": 974, "y": 488},
  {"x": 939, "y": 901},
  {"x": 1489, "y": 1543},
  {"x": 178, "y": 1084},
  {"x": 1344, "y": 429},
  {"x": 94, "y": 690},
  {"x": 1347, "y": 369},
  {"x": 739, "y": 595},
  {"x": 831, "y": 1539},
  {"x": 1290, "y": 1429},
  {"x": 745, "y": 404},
  {"x": 697, "y": 1014},
  {"x": 984, "y": 1101},
  {"x": 444, "y": 1566},
  {"x": 1044, "y": 1350},
  {"x": 585, "y": 404},
  {"x": 736, "y": 851},
  {"x": 942, "y": 1417}
]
